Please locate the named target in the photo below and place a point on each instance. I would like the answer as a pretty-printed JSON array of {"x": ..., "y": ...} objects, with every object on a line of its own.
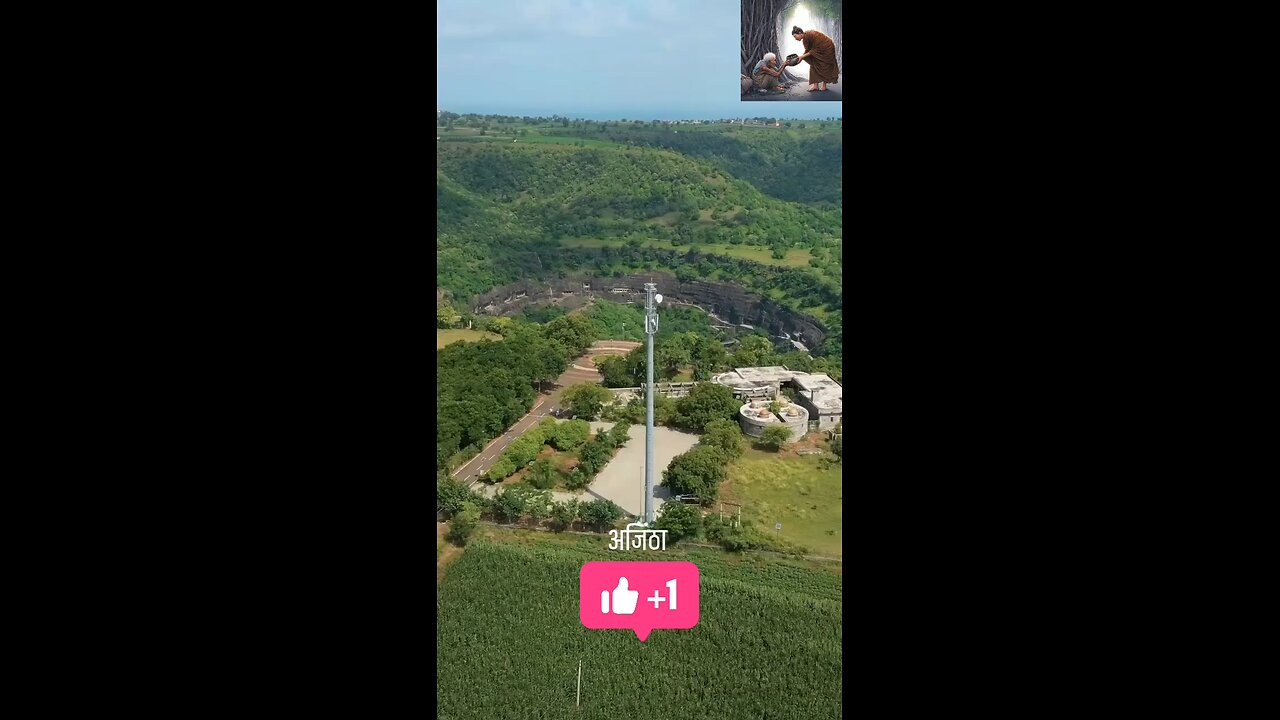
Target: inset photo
[{"x": 791, "y": 50}]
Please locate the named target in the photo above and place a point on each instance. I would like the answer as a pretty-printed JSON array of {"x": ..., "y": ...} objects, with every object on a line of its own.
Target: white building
[{"x": 817, "y": 393}]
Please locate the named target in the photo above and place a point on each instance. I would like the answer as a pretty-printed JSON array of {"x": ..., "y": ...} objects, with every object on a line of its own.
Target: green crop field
[
  {"x": 444, "y": 337},
  {"x": 795, "y": 491},
  {"x": 508, "y": 639}
]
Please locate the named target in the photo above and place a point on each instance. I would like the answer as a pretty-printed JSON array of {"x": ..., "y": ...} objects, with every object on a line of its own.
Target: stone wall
[{"x": 725, "y": 300}]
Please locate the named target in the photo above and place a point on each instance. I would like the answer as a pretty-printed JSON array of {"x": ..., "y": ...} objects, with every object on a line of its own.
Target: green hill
[
  {"x": 506, "y": 212},
  {"x": 799, "y": 161}
]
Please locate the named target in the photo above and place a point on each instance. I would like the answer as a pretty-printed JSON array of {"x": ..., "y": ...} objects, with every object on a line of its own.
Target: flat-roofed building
[{"x": 817, "y": 393}]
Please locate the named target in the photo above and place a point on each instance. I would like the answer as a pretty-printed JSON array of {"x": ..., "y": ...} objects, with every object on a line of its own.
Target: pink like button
[{"x": 639, "y": 596}]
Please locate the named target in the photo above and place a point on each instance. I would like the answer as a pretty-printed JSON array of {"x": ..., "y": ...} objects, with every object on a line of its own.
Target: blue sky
[{"x": 599, "y": 59}]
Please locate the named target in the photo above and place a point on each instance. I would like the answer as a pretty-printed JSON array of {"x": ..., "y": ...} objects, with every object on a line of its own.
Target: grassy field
[
  {"x": 509, "y": 640},
  {"x": 444, "y": 337},
  {"x": 792, "y": 490},
  {"x": 795, "y": 257}
]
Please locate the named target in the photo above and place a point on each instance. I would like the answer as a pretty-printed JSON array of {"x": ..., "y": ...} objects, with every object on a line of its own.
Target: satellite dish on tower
[{"x": 657, "y": 298}]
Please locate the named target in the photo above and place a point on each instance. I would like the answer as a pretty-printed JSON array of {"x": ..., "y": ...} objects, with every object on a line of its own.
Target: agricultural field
[
  {"x": 509, "y": 640},
  {"x": 797, "y": 491},
  {"x": 445, "y": 337}
]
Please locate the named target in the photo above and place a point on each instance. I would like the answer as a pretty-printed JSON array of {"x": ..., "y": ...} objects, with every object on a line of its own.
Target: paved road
[{"x": 579, "y": 371}]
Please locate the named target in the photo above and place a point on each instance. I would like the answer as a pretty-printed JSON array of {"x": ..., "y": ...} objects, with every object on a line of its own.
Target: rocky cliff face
[{"x": 730, "y": 302}]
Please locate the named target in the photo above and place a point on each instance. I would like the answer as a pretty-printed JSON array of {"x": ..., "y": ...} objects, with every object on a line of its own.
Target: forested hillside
[
  {"x": 618, "y": 192},
  {"x": 801, "y": 167},
  {"x": 522, "y": 198}
]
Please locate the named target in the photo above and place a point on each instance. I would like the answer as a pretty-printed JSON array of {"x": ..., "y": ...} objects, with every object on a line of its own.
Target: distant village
[{"x": 757, "y": 121}]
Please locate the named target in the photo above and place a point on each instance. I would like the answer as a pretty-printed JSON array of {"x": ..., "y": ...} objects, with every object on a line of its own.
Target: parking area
[{"x": 622, "y": 480}]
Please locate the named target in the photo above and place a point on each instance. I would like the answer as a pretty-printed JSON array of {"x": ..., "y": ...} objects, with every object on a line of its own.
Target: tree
[
  {"x": 577, "y": 479},
  {"x": 501, "y": 325},
  {"x": 600, "y": 514},
  {"x": 615, "y": 371},
  {"x": 592, "y": 457},
  {"x": 697, "y": 472},
  {"x": 500, "y": 470},
  {"x": 708, "y": 357},
  {"x": 586, "y": 400},
  {"x": 753, "y": 351},
  {"x": 523, "y": 450},
  {"x": 563, "y": 514},
  {"x": 674, "y": 354},
  {"x": 447, "y": 317},
  {"x": 464, "y": 523},
  {"x": 707, "y": 402},
  {"x": 620, "y": 433},
  {"x": 837, "y": 446},
  {"x": 679, "y": 520},
  {"x": 450, "y": 495},
  {"x": 543, "y": 474},
  {"x": 510, "y": 503},
  {"x": 575, "y": 332},
  {"x": 538, "y": 505},
  {"x": 724, "y": 435},
  {"x": 571, "y": 435},
  {"x": 775, "y": 436}
]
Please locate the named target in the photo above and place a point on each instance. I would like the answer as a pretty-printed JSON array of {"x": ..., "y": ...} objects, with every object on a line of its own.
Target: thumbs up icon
[{"x": 624, "y": 600}]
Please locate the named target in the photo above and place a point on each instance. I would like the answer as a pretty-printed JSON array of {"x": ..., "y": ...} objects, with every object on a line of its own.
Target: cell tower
[{"x": 650, "y": 329}]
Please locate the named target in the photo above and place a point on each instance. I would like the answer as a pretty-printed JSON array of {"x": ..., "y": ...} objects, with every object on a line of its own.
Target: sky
[{"x": 597, "y": 59}]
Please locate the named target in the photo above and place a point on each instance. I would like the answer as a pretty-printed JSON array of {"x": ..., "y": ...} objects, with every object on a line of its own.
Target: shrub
[
  {"x": 524, "y": 450},
  {"x": 464, "y": 523},
  {"x": 577, "y": 479},
  {"x": 500, "y": 470},
  {"x": 563, "y": 514},
  {"x": 593, "y": 456},
  {"x": 543, "y": 475},
  {"x": 724, "y": 435},
  {"x": 620, "y": 433},
  {"x": 696, "y": 472},
  {"x": 679, "y": 520},
  {"x": 570, "y": 435},
  {"x": 450, "y": 494},
  {"x": 600, "y": 514},
  {"x": 775, "y": 436},
  {"x": 509, "y": 504}
]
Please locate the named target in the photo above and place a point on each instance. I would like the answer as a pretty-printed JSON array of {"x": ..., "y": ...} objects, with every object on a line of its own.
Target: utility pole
[
  {"x": 650, "y": 328},
  {"x": 578, "y": 702}
]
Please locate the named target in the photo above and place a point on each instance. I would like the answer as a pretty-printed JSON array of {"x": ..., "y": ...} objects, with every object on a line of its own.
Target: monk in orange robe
[{"x": 820, "y": 53}]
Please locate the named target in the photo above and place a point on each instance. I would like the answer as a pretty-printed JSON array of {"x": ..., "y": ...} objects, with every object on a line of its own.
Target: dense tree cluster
[
  {"x": 697, "y": 472},
  {"x": 586, "y": 400},
  {"x": 483, "y": 388}
]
